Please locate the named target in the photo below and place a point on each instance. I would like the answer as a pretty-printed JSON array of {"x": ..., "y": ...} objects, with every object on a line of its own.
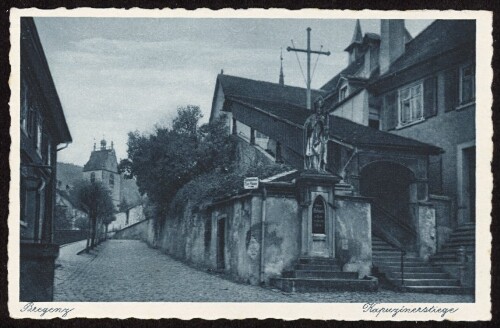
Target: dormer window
[{"x": 343, "y": 93}]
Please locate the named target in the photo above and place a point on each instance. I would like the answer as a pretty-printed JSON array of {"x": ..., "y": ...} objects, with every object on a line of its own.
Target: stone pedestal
[
  {"x": 316, "y": 198},
  {"x": 37, "y": 268}
]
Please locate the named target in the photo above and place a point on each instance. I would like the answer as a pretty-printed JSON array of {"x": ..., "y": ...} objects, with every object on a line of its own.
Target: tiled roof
[
  {"x": 340, "y": 129},
  {"x": 439, "y": 37},
  {"x": 102, "y": 160},
  {"x": 291, "y": 113},
  {"x": 359, "y": 135},
  {"x": 348, "y": 71},
  {"x": 242, "y": 87}
]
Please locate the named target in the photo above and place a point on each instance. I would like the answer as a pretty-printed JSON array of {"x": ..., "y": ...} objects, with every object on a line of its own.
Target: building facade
[
  {"x": 400, "y": 139},
  {"x": 44, "y": 131}
]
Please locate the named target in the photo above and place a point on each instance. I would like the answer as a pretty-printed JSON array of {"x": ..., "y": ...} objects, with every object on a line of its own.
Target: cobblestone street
[{"x": 128, "y": 270}]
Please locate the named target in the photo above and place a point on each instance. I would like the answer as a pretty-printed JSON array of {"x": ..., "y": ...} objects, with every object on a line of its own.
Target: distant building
[
  {"x": 127, "y": 217},
  {"x": 43, "y": 129},
  {"x": 103, "y": 166},
  {"x": 71, "y": 211}
]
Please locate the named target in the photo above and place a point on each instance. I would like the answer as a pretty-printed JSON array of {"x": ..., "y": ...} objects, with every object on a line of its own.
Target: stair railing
[{"x": 380, "y": 233}]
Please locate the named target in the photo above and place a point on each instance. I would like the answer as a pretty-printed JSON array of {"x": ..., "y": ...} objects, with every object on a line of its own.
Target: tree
[
  {"x": 164, "y": 161},
  {"x": 62, "y": 219},
  {"x": 94, "y": 199}
]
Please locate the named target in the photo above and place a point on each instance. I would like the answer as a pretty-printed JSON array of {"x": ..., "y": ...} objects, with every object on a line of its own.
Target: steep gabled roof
[
  {"x": 350, "y": 70},
  {"x": 438, "y": 38},
  {"x": 341, "y": 129},
  {"x": 274, "y": 92},
  {"x": 104, "y": 159}
]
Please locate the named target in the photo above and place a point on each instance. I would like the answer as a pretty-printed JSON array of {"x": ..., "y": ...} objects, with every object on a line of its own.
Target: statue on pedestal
[{"x": 316, "y": 138}]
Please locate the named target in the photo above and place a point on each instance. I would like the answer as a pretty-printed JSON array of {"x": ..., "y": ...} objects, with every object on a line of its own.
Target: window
[
  {"x": 49, "y": 152},
  {"x": 343, "y": 93},
  {"x": 24, "y": 108},
  {"x": 39, "y": 136},
  {"x": 30, "y": 118},
  {"x": 467, "y": 84},
  {"x": 92, "y": 177},
  {"x": 410, "y": 104},
  {"x": 111, "y": 180}
]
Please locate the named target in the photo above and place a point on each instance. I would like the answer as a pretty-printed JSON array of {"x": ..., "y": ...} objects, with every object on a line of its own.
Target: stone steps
[
  {"x": 311, "y": 267},
  {"x": 319, "y": 274},
  {"x": 436, "y": 289},
  {"x": 462, "y": 236},
  {"x": 292, "y": 285},
  {"x": 419, "y": 276},
  {"x": 313, "y": 274}
]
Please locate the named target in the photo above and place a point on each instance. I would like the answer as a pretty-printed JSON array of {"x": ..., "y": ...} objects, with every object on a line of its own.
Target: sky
[{"x": 115, "y": 75}]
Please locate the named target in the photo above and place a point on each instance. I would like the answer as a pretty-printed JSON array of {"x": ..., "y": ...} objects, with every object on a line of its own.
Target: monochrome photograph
[{"x": 231, "y": 159}]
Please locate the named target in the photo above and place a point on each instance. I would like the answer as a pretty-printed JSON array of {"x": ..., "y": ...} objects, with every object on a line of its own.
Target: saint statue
[{"x": 316, "y": 129}]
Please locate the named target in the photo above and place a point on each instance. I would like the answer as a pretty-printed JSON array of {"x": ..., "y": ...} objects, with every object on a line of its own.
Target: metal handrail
[{"x": 382, "y": 235}]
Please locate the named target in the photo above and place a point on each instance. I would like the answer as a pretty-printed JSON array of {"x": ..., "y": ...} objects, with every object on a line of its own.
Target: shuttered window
[
  {"x": 430, "y": 97},
  {"x": 467, "y": 84},
  {"x": 450, "y": 89},
  {"x": 390, "y": 113}
]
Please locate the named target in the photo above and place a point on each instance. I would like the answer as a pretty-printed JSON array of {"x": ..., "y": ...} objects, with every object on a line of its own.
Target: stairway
[
  {"x": 419, "y": 276},
  {"x": 315, "y": 274},
  {"x": 464, "y": 235}
]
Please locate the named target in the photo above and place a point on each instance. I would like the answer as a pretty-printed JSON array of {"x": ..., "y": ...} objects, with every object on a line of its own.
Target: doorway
[
  {"x": 221, "y": 243},
  {"x": 388, "y": 184}
]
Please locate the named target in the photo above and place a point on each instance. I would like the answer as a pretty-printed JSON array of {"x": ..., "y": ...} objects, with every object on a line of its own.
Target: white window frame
[
  {"x": 415, "y": 119},
  {"x": 461, "y": 77}
]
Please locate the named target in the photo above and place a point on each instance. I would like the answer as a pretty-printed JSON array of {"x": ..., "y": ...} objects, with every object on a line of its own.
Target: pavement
[{"x": 130, "y": 271}]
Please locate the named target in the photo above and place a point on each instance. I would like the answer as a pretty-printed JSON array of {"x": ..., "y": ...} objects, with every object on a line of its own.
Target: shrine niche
[{"x": 318, "y": 216}]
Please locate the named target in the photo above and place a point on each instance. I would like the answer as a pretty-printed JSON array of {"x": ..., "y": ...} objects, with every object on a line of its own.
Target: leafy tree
[
  {"x": 167, "y": 159},
  {"x": 82, "y": 222},
  {"x": 186, "y": 122},
  {"x": 62, "y": 219},
  {"x": 95, "y": 200}
]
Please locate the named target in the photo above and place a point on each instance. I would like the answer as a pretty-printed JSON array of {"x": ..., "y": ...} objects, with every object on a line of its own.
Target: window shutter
[
  {"x": 391, "y": 110},
  {"x": 430, "y": 87},
  {"x": 451, "y": 89}
]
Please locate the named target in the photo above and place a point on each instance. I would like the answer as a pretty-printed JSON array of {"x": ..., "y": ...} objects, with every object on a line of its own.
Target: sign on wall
[{"x": 251, "y": 183}]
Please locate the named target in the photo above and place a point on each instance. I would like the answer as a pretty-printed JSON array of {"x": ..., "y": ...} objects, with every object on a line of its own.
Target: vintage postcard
[{"x": 250, "y": 164}]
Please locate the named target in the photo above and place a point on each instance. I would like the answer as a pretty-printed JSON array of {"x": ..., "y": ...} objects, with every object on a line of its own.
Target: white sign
[{"x": 251, "y": 183}]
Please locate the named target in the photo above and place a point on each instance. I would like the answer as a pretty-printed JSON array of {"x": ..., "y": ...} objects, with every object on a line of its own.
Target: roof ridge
[
  {"x": 267, "y": 101},
  {"x": 273, "y": 83}
]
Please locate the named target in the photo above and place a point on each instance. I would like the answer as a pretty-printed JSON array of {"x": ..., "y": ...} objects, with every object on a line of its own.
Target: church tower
[
  {"x": 354, "y": 48},
  {"x": 103, "y": 166}
]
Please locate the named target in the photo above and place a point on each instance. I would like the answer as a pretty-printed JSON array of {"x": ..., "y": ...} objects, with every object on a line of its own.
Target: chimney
[{"x": 392, "y": 42}]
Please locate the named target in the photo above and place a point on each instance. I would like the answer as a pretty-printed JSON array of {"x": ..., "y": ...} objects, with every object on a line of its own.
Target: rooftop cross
[{"x": 308, "y": 51}]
